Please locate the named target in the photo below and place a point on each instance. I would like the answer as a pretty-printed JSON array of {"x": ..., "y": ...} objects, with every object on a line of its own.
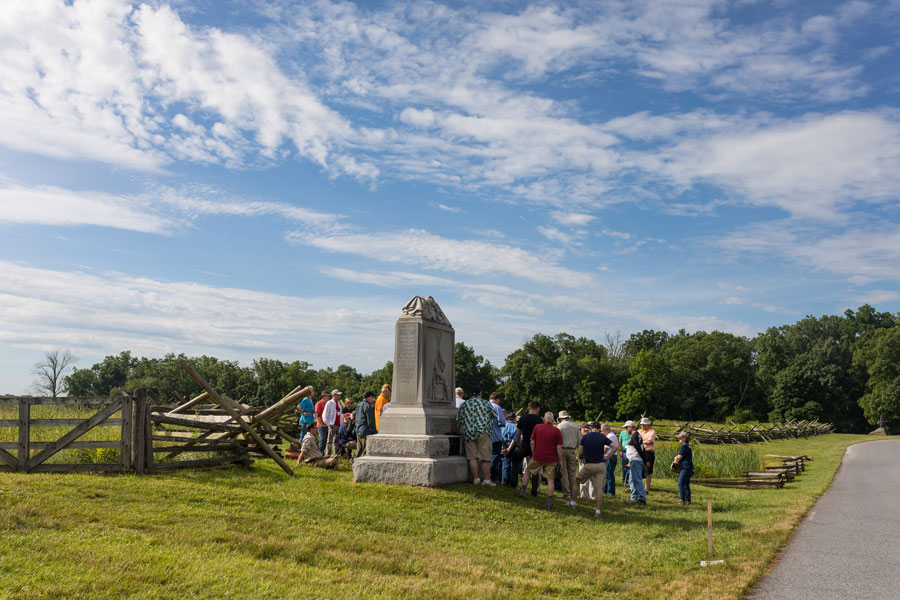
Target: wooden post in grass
[
  {"x": 709, "y": 529},
  {"x": 24, "y": 446}
]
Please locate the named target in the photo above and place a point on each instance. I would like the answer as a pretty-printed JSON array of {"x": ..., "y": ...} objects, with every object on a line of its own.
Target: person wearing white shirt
[
  {"x": 332, "y": 418},
  {"x": 460, "y": 397},
  {"x": 610, "y": 486}
]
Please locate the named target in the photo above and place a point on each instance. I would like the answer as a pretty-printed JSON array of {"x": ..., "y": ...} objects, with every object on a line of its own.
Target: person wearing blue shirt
[
  {"x": 595, "y": 449},
  {"x": 305, "y": 408},
  {"x": 497, "y": 437},
  {"x": 508, "y": 433},
  {"x": 685, "y": 459}
]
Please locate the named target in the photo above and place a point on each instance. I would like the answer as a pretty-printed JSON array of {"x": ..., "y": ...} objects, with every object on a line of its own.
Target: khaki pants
[
  {"x": 332, "y": 446},
  {"x": 568, "y": 469},
  {"x": 325, "y": 462},
  {"x": 361, "y": 445},
  {"x": 596, "y": 474}
]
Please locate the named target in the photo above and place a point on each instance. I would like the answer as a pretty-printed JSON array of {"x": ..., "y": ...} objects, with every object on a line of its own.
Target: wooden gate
[{"x": 32, "y": 455}]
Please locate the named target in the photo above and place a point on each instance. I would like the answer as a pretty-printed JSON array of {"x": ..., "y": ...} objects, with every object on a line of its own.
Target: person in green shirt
[{"x": 624, "y": 436}]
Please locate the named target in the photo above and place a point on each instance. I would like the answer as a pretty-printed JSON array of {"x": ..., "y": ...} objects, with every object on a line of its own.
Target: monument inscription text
[{"x": 407, "y": 353}]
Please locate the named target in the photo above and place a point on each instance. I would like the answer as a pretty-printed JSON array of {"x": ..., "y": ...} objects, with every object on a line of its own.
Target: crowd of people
[{"x": 504, "y": 448}]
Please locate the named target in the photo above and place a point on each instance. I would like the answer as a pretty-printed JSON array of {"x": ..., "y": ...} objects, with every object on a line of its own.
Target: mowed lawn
[{"x": 260, "y": 534}]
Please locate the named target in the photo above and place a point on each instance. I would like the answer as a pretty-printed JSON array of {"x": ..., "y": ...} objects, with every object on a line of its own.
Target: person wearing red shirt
[
  {"x": 546, "y": 453},
  {"x": 319, "y": 411}
]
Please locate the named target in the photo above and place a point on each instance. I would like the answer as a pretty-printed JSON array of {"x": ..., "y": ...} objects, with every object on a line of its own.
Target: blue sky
[{"x": 278, "y": 178}]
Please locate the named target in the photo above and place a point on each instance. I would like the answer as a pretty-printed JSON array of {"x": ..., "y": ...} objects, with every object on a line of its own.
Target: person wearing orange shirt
[{"x": 383, "y": 399}]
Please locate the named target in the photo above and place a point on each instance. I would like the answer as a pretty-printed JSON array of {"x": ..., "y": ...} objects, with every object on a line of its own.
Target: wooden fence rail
[{"x": 32, "y": 455}]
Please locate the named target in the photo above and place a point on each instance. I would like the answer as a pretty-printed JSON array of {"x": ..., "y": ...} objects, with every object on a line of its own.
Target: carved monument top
[{"x": 426, "y": 308}]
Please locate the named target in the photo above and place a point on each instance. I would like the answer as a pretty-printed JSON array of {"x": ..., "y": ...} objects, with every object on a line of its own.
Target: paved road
[{"x": 848, "y": 546}]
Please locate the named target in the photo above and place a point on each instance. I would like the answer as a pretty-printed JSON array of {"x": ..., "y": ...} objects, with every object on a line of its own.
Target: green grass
[
  {"x": 52, "y": 433},
  {"x": 260, "y": 534},
  {"x": 712, "y": 460}
]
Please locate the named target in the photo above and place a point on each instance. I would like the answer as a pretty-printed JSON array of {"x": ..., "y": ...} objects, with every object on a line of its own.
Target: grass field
[{"x": 260, "y": 534}]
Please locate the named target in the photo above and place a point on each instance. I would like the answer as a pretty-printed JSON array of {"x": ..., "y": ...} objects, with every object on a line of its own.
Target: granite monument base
[{"x": 423, "y": 460}]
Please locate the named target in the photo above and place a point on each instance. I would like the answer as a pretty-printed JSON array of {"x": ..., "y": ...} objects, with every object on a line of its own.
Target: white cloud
[
  {"x": 444, "y": 207},
  {"x": 47, "y": 205},
  {"x": 572, "y": 218},
  {"x": 162, "y": 211},
  {"x": 862, "y": 254},
  {"x": 555, "y": 235},
  {"x": 812, "y": 167},
  {"x": 96, "y": 314},
  {"x": 429, "y": 251},
  {"x": 96, "y": 80}
]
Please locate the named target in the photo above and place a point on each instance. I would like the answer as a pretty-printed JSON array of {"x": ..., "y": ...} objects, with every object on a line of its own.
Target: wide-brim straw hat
[{"x": 645, "y": 421}]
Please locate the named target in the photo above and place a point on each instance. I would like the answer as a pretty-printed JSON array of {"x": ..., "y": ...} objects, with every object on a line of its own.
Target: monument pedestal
[
  {"x": 423, "y": 460},
  {"x": 417, "y": 443}
]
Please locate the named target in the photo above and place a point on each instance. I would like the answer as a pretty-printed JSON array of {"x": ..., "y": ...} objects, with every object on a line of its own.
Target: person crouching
[{"x": 310, "y": 453}]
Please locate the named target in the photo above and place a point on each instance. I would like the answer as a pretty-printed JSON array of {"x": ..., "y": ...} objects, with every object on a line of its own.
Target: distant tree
[
  {"x": 880, "y": 357},
  {"x": 647, "y": 339},
  {"x": 472, "y": 369},
  {"x": 52, "y": 371},
  {"x": 562, "y": 373},
  {"x": 647, "y": 389}
]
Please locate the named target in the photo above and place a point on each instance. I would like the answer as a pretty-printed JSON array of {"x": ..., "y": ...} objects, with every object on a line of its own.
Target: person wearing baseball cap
[
  {"x": 460, "y": 397},
  {"x": 648, "y": 436},
  {"x": 332, "y": 418},
  {"x": 624, "y": 436},
  {"x": 319, "y": 410},
  {"x": 568, "y": 465},
  {"x": 365, "y": 422},
  {"x": 637, "y": 458}
]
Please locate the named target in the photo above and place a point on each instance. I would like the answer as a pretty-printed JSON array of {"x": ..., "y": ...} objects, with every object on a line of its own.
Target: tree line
[{"x": 839, "y": 369}]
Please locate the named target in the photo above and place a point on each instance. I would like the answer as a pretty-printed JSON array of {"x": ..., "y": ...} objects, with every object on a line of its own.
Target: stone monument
[{"x": 417, "y": 443}]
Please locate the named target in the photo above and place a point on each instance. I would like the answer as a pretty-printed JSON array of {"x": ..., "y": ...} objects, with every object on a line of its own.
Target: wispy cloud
[
  {"x": 48, "y": 205},
  {"x": 427, "y": 250},
  {"x": 162, "y": 211},
  {"x": 445, "y": 208}
]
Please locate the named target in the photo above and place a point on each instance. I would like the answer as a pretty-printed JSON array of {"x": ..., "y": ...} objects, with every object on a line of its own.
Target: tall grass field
[{"x": 257, "y": 533}]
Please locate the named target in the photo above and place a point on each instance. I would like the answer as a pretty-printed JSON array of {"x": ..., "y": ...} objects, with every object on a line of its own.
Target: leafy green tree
[
  {"x": 879, "y": 355},
  {"x": 647, "y": 388},
  {"x": 472, "y": 369},
  {"x": 562, "y": 373},
  {"x": 647, "y": 339}
]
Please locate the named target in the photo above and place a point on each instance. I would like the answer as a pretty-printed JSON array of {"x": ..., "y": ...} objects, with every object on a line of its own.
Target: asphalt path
[{"x": 848, "y": 546}]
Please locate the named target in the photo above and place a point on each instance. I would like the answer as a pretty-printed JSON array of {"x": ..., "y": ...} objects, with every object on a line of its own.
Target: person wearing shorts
[
  {"x": 474, "y": 423},
  {"x": 546, "y": 454},
  {"x": 595, "y": 449}
]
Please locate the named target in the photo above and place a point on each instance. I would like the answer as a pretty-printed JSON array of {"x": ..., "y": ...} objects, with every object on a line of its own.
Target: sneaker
[
  {"x": 521, "y": 492},
  {"x": 681, "y": 503},
  {"x": 488, "y": 482},
  {"x": 476, "y": 481},
  {"x": 549, "y": 502},
  {"x": 642, "y": 502},
  {"x": 596, "y": 514},
  {"x": 573, "y": 504}
]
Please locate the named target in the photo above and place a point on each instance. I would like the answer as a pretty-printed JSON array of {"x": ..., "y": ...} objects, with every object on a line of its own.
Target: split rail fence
[{"x": 707, "y": 434}]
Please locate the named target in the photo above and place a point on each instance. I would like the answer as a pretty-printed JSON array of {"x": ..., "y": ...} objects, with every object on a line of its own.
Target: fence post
[
  {"x": 127, "y": 435},
  {"x": 138, "y": 431},
  {"x": 24, "y": 450}
]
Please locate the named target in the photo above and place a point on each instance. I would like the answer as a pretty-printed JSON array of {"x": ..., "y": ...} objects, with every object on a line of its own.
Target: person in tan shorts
[
  {"x": 546, "y": 453},
  {"x": 595, "y": 448}
]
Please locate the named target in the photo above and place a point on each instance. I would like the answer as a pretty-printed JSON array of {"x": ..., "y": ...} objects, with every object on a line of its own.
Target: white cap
[
  {"x": 459, "y": 390},
  {"x": 337, "y": 393},
  {"x": 628, "y": 424}
]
